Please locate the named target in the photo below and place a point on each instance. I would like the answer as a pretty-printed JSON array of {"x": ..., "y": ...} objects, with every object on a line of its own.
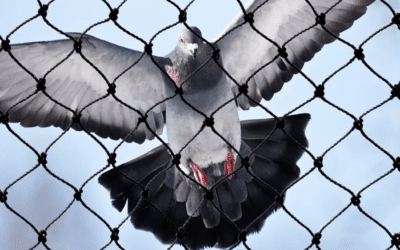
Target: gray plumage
[{"x": 140, "y": 84}]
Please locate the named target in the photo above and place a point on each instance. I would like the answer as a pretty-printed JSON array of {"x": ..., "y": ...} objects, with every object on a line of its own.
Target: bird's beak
[{"x": 192, "y": 47}]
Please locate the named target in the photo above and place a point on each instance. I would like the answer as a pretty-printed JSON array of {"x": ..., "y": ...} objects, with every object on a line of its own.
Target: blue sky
[{"x": 354, "y": 163}]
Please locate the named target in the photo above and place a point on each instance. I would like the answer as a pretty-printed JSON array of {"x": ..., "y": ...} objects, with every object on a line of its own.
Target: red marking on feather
[
  {"x": 173, "y": 74},
  {"x": 229, "y": 166},
  {"x": 199, "y": 175}
]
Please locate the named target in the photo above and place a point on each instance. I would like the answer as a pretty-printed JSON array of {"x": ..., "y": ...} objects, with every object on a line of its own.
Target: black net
[{"x": 347, "y": 196}]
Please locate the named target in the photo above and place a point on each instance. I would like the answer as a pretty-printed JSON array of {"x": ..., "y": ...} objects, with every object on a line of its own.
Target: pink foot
[
  {"x": 199, "y": 175},
  {"x": 229, "y": 166}
]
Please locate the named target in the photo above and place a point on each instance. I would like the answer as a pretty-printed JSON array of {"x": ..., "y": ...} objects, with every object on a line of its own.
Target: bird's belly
[{"x": 207, "y": 147}]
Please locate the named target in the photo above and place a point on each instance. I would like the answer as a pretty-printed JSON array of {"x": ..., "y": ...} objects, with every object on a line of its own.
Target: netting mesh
[{"x": 352, "y": 166}]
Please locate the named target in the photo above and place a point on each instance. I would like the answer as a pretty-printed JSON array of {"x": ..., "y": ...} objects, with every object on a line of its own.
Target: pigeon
[{"x": 218, "y": 178}]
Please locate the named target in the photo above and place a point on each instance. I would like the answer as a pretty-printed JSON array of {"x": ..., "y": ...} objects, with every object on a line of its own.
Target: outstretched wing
[
  {"x": 76, "y": 84},
  {"x": 244, "y": 51}
]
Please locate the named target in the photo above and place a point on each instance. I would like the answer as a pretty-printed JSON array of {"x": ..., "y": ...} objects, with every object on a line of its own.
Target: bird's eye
[{"x": 181, "y": 40}]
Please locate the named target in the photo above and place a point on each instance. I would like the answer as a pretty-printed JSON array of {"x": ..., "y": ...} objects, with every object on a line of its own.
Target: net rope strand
[{"x": 315, "y": 237}]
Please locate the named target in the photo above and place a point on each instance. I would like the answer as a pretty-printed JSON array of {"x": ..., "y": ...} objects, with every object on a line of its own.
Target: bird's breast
[{"x": 184, "y": 124}]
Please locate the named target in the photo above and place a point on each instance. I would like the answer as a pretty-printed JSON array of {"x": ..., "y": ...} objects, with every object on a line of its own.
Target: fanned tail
[{"x": 241, "y": 199}]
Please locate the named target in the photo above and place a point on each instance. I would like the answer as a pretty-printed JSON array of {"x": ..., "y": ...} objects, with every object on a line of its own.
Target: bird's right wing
[{"x": 76, "y": 84}]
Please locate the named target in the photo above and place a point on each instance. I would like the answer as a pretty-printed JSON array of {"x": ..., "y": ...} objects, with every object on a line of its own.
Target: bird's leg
[
  {"x": 199, "y": 174},
  {"x": 229, "y": 166}
]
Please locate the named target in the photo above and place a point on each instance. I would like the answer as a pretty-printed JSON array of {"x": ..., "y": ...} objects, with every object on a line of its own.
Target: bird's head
[{"x": 188, "y": 42}]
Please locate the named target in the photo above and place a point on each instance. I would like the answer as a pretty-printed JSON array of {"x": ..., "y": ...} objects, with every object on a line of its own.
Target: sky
[{"x": 354, "y": 163}]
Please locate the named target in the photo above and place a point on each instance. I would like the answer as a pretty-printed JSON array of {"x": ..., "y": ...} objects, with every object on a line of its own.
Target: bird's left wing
[
  {"x": 244, "y": 51},
  {"x": 76, "y": 84}
]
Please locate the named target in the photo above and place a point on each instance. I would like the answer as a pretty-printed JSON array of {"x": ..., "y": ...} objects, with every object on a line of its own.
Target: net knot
[
  {"x": 78, "y": 46},
  {"x": 319, "y": 91},
  {"x": 76, "y": 118},
  {"x": 396, "y": 91},
  {"x": 4, "y": 118},
  {"x": 41, "y": 85},
  {"x": 243, "y": 89},
  {"x": 316, "y": 238},
  {"x": 216, "y": 54},
  {"x": 282, "y": 52},
  {"x": 279, "y": 199},
  {"x": 320, "y": 19},
  {"x": 318, "y": 162},
  {"x": 177, "y": 159},
  {"x": 249, "y": 18},
  {"x": 179, "y": 233},
  {"x": 42, "y": 159},
  {"x": 359, "y": 54},
  {"x": 182, "y": 16},
  {"x": 245, "y": 162},
  {"x": 396, "y": 239},
  {"x": 78, "y": 195},
  {"x": 358, "y": 124},
  {"x": 145, "y": 193},
  {"x": 208, "y": 195},
  {"x": 142, "y": 119},
  {"x": 5, "y": 45},
  {"x": 111, "y": 89},
  {"x": 355, "y": 200},
  {"x": 280, "y": 124},
  {"x": 42, "y": 236},
  {"x": 396, "y": 19},
  {"x": 209, "y": 121},
  {"x": 43, "y": 10},
  {"x": 112, "y": 158},
  {"x": 396, "y": 163},
  {"x": 114, "y": 235},
  {"x": 243, "y": 236},
  {"x": 3, "y": 196},
  {"x": 114, "y": 15},
  {"x": 148, "y": 48}
]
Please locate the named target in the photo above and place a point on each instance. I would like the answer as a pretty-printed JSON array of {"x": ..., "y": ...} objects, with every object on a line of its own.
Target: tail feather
[
  {"x": 261, "y": 128},
  {"x": 260, "y": 199},
  {"x": 134, "y": 191},
  {"x": 268, "y": 171},
  {"x": 145, "y": 216},
  {"x": 283, "y": 153},
  {"x": 242, "y": 199},
  {"x": 141, "y": 169},
  {"x": 238, "y": 189},
  {"x": 181, "y": 192},
  {"x": 227, "y": 201},
  {"x": 211, "y": 216},
  {"x": 193, "y": 202}
]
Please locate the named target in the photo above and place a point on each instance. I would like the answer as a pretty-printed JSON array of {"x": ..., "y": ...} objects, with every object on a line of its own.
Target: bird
[{"x": 218, "y": 178}]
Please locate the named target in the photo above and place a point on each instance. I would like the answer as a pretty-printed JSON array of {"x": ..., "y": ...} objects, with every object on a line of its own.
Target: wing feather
[
  {"x": 76, "y": 84},
  {"x": 244, "y": 51}
]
